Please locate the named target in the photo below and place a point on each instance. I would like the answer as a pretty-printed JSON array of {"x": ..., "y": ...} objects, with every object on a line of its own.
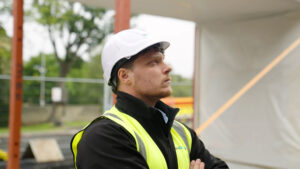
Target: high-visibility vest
[{"x": 144, "y": 143}]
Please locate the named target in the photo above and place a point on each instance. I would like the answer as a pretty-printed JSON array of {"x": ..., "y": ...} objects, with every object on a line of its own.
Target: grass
[
  {"x": 48, "y": 127},
  {"x": 76, "y": 124}
]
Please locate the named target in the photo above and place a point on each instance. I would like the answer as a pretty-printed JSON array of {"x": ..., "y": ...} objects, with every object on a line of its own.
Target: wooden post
[
  {"x": 16, "y": 93},
  {"x": 122, "y": 20}
]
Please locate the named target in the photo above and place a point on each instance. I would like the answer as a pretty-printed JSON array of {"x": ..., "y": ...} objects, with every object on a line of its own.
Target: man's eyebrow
[{"x": 157, "y": 56}]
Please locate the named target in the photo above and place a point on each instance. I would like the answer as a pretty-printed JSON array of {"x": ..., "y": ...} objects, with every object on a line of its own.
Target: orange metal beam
[
  {"x": 122, "y": 17},
  {"x": 122, "y": 20},
  {"x": 16, "y": 93}
]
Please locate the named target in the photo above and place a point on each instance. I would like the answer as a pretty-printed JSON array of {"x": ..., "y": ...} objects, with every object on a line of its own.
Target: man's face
[{"x": 150, "y": 76}]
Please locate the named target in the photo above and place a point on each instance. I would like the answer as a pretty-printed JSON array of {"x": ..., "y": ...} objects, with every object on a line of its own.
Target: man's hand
[{"x": 197, "y": 164}]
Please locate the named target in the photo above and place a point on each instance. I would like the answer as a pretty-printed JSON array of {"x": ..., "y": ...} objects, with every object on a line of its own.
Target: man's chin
[{"x": 166, "y": 93}]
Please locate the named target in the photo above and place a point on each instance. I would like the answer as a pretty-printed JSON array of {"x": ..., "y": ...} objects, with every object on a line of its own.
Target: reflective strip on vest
[
  {"x": 144, "y": 143},
  {"x": 74, "y": 145},
  {"x": 184, "y": 134},
  {"x": 139, "y": 143}
]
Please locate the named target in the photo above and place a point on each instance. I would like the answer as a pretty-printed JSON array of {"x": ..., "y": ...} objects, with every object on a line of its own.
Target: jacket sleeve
[
  {"x": 199, "y": 151},
  {"x": 107, "y": 145}
]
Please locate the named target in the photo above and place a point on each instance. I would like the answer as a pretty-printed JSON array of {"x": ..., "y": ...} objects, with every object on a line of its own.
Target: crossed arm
[{"x": 197, "y": 164}]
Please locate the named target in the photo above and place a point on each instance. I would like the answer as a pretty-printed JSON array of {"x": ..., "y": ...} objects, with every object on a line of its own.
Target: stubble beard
[{"x": 164, "y": 94}]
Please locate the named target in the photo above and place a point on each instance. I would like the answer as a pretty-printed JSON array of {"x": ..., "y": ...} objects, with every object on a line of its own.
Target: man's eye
[{"x": 155, "y": 61}]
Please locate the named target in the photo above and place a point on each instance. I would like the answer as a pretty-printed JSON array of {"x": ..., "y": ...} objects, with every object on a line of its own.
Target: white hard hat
[{"x": 125, "y": 44}]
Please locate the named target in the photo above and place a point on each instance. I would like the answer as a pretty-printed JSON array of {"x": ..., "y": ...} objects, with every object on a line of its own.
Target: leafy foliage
[
  {"x": 5, "y": 6},
  {"x": 183, "y": 87},
  {"x": 31, "y": 89},
  {"x": 74, "y": 31},
  {"x": 5, "y": 56},
  {"x": 79, "y": 93},
  {"x": 5, "y": 52},
  {"x": 90, "y": 93},
  {"x": 72, "y": 27}
]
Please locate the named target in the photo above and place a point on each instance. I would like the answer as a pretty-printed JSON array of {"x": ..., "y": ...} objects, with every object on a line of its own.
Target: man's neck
[{"x": 151, "y": 101}]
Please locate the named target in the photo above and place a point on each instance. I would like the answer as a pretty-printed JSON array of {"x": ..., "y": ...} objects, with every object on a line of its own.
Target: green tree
[
  {"x": 74, "y": 29},
  {"x": 79, "y": 93},
  {"x": 183, "y": 86},
  {"x": 31, "y": 88},
  {"x": 86, "y": 93},
  {"x": 5, "y": 56},
  {"x": 5, "y": 6},
  {"x": 5, "y": 52}
]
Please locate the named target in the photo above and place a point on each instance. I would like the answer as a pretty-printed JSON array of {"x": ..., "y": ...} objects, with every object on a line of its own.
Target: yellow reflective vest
[{"x": 144, "y": 143}]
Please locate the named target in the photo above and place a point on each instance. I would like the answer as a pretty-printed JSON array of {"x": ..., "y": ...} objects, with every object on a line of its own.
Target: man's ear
[{"x": 124, "y": 76}]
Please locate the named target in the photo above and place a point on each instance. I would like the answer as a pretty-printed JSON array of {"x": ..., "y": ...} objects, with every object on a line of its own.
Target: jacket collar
[{"x": 149, "y": 117}]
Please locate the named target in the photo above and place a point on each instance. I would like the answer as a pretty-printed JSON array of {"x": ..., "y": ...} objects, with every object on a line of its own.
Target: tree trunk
[{"x": 58, "y": 109}]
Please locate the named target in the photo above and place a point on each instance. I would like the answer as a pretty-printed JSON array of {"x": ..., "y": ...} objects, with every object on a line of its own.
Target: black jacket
[{"x": 107, "y": 145}]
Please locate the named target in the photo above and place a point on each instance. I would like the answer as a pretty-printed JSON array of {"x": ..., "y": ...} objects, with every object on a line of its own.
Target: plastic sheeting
[{"x": 262, "y": 129}]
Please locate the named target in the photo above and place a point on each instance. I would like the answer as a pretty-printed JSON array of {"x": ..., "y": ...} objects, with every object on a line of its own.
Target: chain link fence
[
  {"x": 82, "y": 96},
  {"x": 84, "y": 99}
]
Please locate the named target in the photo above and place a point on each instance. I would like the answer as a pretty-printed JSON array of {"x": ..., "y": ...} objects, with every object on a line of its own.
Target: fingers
[
  {"x": 202, "y": 165},
  {"x": 192, "y": 165},
  {"x": 197, "y": 164}
]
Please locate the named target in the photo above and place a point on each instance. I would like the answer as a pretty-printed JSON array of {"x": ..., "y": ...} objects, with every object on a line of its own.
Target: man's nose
[{"x": 167, "y": 69}]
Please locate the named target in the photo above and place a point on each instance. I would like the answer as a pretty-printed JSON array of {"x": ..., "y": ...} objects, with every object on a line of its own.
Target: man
[{"x": 139, "y": 131}]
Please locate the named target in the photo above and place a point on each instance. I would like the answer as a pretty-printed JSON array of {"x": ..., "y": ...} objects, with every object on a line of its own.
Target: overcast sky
[{"x": 179, "y": 33}]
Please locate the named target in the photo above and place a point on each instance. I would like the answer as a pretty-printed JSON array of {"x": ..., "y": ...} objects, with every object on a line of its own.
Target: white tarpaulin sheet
[{"x": 262, "y": 129}]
